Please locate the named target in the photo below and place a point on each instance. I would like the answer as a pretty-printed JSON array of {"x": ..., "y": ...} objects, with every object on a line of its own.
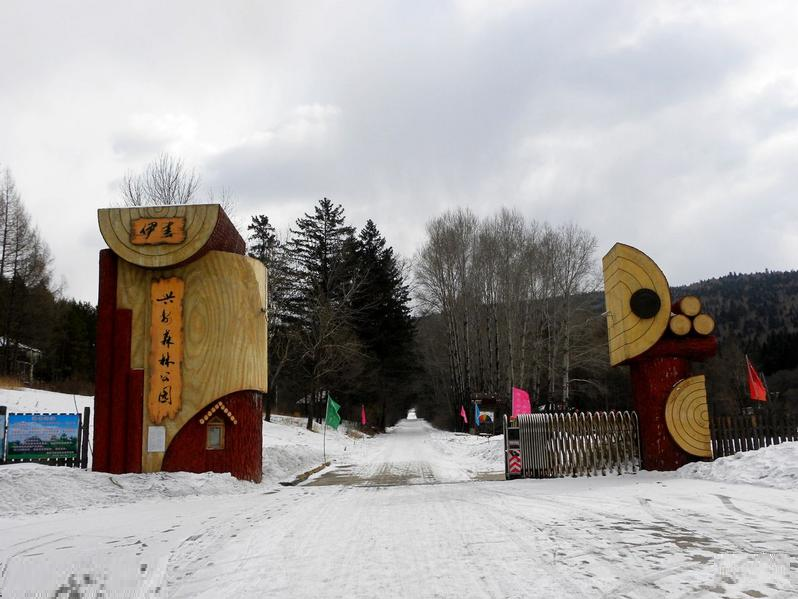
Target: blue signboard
[
  {"x": 43, "y": 437},
  {"x": 2, "y": 433}
]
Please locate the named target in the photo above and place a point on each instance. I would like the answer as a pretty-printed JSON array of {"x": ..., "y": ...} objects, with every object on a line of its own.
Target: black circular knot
[{"x": 645, "y": 303}]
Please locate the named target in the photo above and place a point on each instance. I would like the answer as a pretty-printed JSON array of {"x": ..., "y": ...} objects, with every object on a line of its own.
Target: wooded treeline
[
  {"x": 497, "y": 302},
  {"x": 757, "y": 316},
  {"x": 37, "y": 325},
  {"x": 339, "y": 317},
  {"x": 505, "y": 304}
]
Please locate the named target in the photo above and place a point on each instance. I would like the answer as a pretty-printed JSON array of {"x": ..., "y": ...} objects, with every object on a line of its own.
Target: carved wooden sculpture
[
  {"x": 687, "y": 416},
  {"x": 181, "y": 333},
  {"x": 658, "y": 339}
]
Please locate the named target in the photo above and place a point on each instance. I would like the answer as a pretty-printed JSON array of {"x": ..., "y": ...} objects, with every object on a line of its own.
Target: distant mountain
[
  {"x": 757, "y": 312},
  {"x": 749, "y": 307}
]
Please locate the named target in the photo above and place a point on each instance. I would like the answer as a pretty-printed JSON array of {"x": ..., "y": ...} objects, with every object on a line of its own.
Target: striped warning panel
[{"x": 514, "y": 461}]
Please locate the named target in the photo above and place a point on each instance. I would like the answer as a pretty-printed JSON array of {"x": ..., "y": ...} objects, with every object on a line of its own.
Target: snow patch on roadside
[
  {"x": 289, "y": 449},
  {"x": 775, "y": 466},
  {"x": 477, "y": 454},
  {"x": 30, "y": 489}
]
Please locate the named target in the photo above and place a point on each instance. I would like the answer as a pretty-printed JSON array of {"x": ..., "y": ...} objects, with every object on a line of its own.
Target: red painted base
[
  {"x": 652, "y": 382},
  {"x": 105, "y": 353},
  {"x": 243, "y": 446},
  {"x": 654, "y": 374}
]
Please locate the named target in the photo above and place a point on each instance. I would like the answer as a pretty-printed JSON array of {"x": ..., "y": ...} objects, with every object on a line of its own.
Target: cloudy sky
[{"x": 672, "y": 126}]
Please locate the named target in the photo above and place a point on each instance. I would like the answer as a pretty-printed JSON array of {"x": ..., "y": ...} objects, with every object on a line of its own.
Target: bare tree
[
  {"x": 510, "y": 293},
  {"x": 24, "y": 270},
  {"x": 165, "y": 181},
  {"x": 224, "y": 197},
  {"x": 575, "y": 275},
  {"x": 444, "y": 272}
]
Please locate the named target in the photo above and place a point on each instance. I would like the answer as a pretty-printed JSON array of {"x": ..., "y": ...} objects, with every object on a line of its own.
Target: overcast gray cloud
[{"x": 671, "y": 126}]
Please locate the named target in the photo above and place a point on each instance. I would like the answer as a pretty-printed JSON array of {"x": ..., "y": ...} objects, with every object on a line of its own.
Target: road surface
[{"x": 386, "y": 525}]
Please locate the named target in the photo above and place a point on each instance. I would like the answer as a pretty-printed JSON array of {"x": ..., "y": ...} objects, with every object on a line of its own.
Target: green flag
[{"x": 333, "y": 418}]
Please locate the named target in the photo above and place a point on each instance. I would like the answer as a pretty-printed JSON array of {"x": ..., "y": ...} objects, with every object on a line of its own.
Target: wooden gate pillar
[
  {"x": 181, "y": 337},
  {"x": 658, "y": 340}
]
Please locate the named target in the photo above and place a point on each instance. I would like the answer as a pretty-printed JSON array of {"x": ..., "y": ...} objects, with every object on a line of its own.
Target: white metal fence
[{"x": 583, "y": 444}]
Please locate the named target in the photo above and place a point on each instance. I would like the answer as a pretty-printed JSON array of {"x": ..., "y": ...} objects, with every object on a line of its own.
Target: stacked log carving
[
  {"x": 659, "y": 339},
  {"x": 181, "y": 330}
]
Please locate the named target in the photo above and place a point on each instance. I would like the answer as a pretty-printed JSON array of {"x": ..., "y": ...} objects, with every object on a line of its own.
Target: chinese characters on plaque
[
  {"x": 157, "y": 231},
  {"x": 166, "y": 348}
]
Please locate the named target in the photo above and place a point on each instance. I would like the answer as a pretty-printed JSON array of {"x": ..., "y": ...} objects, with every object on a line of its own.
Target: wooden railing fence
[{"x": 731, "y": 434}]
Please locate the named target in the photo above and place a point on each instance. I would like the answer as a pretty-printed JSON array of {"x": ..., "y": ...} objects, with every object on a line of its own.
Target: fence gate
[{"x": 584, "y": 444}]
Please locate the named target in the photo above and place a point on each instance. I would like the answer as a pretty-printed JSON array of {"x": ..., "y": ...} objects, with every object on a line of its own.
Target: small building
[
  {"x": 492, "y": 407},
  {"x": 22, "y": 358}
]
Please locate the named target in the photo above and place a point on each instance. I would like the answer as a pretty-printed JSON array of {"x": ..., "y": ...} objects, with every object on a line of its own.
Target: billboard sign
[
  {"x": 2, "y": 433},
  {"x": 43, "y": 437}
]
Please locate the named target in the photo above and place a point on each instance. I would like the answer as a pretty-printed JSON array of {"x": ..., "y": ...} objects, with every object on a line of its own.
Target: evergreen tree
[
  {"x": 25, "y": 279},
  {"x": 319, "y": 309},
  {"x": 263, "y": 242},
  {"x": 265, "y": 246},
  {"x": 384, "y": 324},
  {"x": 69, "y": 356},
  {"x": 318, "y": 248}
]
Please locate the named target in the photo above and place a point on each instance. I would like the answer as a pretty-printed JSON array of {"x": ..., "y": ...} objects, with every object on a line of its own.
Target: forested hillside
[
  {"x": 756, "y": 315},
  {"x": 755, "y": 309},
  {"x": 41, "y": 332}
]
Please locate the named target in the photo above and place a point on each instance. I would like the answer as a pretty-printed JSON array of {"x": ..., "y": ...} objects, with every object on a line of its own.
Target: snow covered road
[
  {"x": 414, "y": 453},
  {"x": 386, "y": 534}
]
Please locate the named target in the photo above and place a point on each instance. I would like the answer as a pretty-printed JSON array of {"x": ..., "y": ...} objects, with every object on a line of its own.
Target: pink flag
[
  {"x": 362, "y": 414},
  {"x": 463, "y": 414},
  {"x": 521, "y": 404}
]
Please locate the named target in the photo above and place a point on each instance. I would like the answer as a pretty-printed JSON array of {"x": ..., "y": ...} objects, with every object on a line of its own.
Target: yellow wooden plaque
[
  {"x": 687, "y": 416},
  {"x": 166, "y": 348},
  {"x": 628, "y": 270},
  {"x": 158, "y": 231}
]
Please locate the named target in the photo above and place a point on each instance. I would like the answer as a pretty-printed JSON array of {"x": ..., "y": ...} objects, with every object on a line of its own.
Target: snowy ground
[
  {"x": 774, "y": 466},
  {"x": 407, "y": 514},
  {"x": 27, "y": 489}
]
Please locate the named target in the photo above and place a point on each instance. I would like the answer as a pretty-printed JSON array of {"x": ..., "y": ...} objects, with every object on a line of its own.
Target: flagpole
[
  {"x": 767, "y": 390},
  {"x": 324, "y": 441}
]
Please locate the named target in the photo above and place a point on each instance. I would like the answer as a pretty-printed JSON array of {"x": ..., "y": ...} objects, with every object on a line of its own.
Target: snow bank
[
  {"x": 289, "y": 449},
  {"x": 29, "y": 489},
  {"x": 774, "y": 466},
  {"x": 44, "y": 402},
  {"x": 478, "y": 454}
]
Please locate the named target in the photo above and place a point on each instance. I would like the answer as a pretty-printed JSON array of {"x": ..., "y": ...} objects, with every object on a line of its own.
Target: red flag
[
  {"x": 755, "y": 387},
  {"x": 362, "y": 414},
  {"x": 463, "y": 414}
]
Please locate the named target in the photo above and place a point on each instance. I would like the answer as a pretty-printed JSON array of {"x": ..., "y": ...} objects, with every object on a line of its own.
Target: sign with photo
[
  {"x": 43, "y": 437},
  {"x": 2, "y": 433}
]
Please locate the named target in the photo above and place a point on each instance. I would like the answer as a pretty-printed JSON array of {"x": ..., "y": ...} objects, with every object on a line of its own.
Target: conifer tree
[
  {"x": 265, "y": 246},
  {"x": 319, "y": 307},
  {"x": 25, "y": 278},
  {"x": 384, "y": 324}
]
